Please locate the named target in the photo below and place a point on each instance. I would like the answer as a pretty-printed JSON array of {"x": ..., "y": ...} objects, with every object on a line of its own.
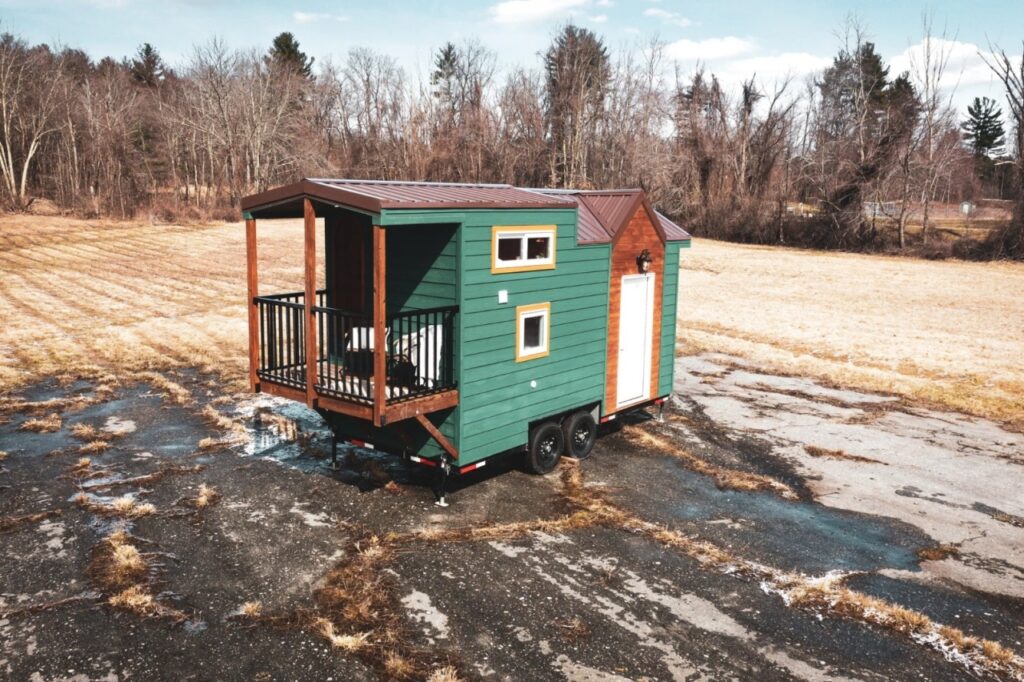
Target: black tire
[
  {"x": 579, "y": 431},
  {"x": 546, "y": 444}
]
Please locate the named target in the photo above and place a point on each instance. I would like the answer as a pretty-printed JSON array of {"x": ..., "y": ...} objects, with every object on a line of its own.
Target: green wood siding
[
  {"x": 422, "y": 266},
  {"x": 497, "y": 401},
  {"x": 669, "y": 299}
]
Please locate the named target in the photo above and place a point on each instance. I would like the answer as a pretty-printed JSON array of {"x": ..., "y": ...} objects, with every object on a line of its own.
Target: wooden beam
[
  {"x": 379, "y": 312},
  {"x": 357, "y": 410},
  {"x": 284, "y": 391},
  {"x": 309, "y": 216},
  {"x": 438, "y": 436},
  {"x": 252, "y": 288},
  {"x": 407, "y": 409}
]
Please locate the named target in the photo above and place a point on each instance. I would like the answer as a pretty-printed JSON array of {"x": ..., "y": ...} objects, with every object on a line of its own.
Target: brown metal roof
[
  {"x": 376, "y": 195},
  {"x": 601, "y": 213},
  {"x": 672, "y": 231}
]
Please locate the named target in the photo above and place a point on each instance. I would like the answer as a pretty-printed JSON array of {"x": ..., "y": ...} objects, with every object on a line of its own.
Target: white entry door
[{"x": 636, "y": 334}]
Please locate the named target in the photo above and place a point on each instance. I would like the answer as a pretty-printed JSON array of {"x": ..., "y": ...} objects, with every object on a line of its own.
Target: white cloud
[
  {"x": 604, "y": 3},
  {"x": 311, "y": 17},
  {"x": 530, "y": 11},
  {"x": 965, "y": 64},
  {"x": 709, "y": 48},
  {"x": 772, "y": 69},
  {"x": 668, "y": 17},
  {"x": 599, "y": 19}
]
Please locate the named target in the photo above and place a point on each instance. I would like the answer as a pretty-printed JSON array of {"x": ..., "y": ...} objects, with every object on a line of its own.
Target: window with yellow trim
[
  {"x": 522, "y": 248},
  {"x": 533, "y": 331}
]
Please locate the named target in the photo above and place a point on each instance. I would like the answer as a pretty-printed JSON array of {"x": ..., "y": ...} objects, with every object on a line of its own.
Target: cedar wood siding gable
[
  {"x": 497, "y": 401},
  {"x": 638, "y": 234}
]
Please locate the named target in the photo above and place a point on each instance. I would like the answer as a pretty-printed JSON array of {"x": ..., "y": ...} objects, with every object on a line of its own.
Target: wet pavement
[{"x": 917, "y": 507}]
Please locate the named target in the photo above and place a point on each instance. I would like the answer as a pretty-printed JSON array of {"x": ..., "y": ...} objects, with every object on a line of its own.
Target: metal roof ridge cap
[{"x": 323, "y": 181}]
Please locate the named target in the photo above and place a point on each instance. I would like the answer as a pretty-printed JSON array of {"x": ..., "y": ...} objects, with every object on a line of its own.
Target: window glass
[
  {"x": 538, "y": 248},
  {"x": 533, "y": 332},
  {"x": 510, "y": 248}
]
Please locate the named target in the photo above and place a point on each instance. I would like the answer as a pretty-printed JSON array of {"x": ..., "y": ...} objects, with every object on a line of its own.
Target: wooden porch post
[
  {"x": 252, "y": 287},
  {"x": 309, "y": 216},
  {"x": 379, "y": 312}
]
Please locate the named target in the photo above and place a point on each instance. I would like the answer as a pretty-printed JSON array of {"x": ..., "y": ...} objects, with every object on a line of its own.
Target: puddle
[
  {"x": 290, "y": 434},
  {"x": 802, "y": 536}
]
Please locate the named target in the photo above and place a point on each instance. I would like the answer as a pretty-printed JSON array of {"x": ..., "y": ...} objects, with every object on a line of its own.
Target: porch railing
[{"x": 419, "y": 348}]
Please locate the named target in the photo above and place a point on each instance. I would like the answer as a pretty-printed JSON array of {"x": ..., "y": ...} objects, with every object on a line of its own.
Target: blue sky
[{"x": 734, "y": 39}]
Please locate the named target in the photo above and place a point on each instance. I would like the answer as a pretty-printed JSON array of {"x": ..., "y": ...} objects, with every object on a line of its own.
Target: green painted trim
[{"x": 246, "y": 215}]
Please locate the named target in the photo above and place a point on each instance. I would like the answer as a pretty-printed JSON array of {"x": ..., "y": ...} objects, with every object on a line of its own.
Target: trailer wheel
[
  {"x": 546, "y": 444},
  {"x": 580, "y": 433}
]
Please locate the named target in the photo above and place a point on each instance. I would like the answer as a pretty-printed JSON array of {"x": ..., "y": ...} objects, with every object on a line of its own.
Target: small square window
[{"x": 533, "y": 331}]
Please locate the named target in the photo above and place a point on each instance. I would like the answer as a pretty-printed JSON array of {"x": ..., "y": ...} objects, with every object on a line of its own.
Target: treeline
[{"x": 846, "y": 159}]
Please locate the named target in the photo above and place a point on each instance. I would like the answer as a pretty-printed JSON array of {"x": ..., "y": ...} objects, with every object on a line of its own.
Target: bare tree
[
  {"x": 30, "y": 90},
  {"x": 1011, "y": 74},
  {"x": 937, "y": 114}
]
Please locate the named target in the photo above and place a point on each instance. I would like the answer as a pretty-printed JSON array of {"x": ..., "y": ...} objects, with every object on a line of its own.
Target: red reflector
[
  {"x": 605, "y": 420},
  {"x": 362, "y": 444},
  {"x": 420, "y": 460},
  {"x": 472, "y": 467}
]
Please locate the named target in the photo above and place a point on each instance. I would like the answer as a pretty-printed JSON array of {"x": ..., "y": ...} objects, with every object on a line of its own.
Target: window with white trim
[
  {"x": 533, "y": 331},
  {"x": 517, "y": 249}
]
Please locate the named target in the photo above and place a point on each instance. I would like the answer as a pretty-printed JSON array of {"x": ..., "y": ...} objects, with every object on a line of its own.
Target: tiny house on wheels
[{"x": 461, "y": 321}]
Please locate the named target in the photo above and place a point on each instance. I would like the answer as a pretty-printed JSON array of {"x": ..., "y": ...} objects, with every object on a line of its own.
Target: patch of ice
[
  {"x": 423, "y": 611},
  {"x": 116, "y": 426},
  {"x": 312, "y": 520},
  {"x": 577, "y": 672}
]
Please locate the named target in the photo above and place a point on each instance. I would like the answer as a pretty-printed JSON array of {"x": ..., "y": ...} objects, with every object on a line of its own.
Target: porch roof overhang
[{"x": 373, "y": 197}]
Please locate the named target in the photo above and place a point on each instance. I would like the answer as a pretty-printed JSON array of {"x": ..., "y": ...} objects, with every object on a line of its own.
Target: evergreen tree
[
  {"x": 285, "y": 52},
  {"x": 445, "y": 65},
  {"x": 578, "y": 72},
  {"x": 148, "y": 67},
  {"x": 983, "y": 129}
]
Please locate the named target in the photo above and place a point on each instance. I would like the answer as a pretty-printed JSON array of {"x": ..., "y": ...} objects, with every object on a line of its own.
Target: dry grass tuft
[
  {"x": 348, "y": 643},
  {"x": 116, "y": 564},
  {"x": 43, "y": 425},
  {"x": 730, "y": 479},
  {"x": 237, "y": 433},
  {"x": 94, "y": 447},
  {"x": 397, "y": 666},
  {"x": 3, "y": 455},
  {"x": 252, "y": 609},
  {"x": 125, "y": 506},
  {"x": 207, "y": 444},
  {"x": 139, "y": 601},
  {"x": 815, "y": 451},
  {"x": 572, "y": 629},
  {"x": 9, "y": 523},
  {"x": 206, "y": 497},
  {"x": 937, "y": 553},
  {"x": 445, "y": 674},
  {"x": 84, "y": 431},
  {"x": 177, "y": 393}
]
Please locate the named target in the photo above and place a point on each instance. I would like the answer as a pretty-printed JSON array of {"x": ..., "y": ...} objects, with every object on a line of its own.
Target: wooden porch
[{"x": 376, "y": 366}]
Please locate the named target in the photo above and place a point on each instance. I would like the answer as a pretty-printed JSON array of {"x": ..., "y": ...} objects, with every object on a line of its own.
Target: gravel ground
[{"x": 914, "y": 506}]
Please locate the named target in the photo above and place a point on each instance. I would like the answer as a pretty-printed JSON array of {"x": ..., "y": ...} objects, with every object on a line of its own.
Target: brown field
[
  {"x": 87, "y": 297},
  {"x": 948, "y": 333}
]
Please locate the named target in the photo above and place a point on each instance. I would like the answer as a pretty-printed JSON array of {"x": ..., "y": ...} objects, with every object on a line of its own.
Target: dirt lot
[{"x": 156, "y": 525}]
